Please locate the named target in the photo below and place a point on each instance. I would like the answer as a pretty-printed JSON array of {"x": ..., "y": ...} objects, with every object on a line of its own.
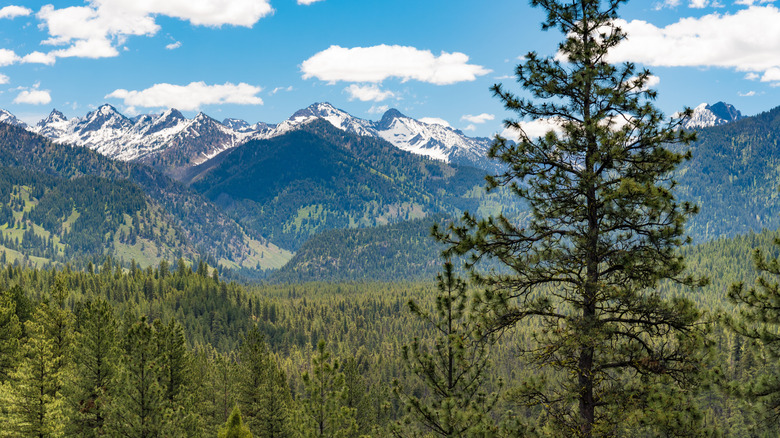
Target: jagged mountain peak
[
  {"x": 319, "y": 109},
  {"x": 53, "y": 117},
  {"x": 172, "y": 114},
  {"x": 7, "y": 117},
  {"x": 706, "y": 115},
  {"x": 389, "y": 116},
  {"x": 236, "y": 124}
]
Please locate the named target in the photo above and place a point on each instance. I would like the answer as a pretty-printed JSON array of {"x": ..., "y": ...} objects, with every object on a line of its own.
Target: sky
[{"x": 261, "y": 60}]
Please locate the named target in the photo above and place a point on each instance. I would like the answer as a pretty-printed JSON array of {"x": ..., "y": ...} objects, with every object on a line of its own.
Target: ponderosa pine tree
[
  {"x": 90, "y": 386},
  {"x": 759, "y": 310},
  {"x": 453, "y": 368},
  {"x": 603, "y": 231}
]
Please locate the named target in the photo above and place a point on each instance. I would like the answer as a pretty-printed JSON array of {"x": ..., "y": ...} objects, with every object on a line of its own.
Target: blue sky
[{"x": 261, "y": 60}]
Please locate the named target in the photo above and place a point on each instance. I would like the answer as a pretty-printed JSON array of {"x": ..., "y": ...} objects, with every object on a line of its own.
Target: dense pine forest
[{"x": 171, "y": 350}]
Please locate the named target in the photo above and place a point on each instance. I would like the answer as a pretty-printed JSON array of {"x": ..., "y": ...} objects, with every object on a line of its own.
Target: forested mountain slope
[
  {"x": 734, "y": 177},
  {"x": 317, "y": 178},
  {"x": 201, "y": 224}
]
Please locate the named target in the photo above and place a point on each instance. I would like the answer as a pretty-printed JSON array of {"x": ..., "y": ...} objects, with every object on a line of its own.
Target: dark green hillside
[
  {"x": 404, "y": 250},
  {"x": 734, "y": 176},
  {"x": 202, "y": 224},
  {"x": 319, "y": 178}
]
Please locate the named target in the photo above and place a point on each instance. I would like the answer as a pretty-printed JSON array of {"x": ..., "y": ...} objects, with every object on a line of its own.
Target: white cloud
[
  {"x": 368, "y": 93},
  {"x": 96, "y": 30},
  {"x": 435, "y": 121},
  {"x": 307, "y": 2},
  {"x": 173, "y": 46},
  {"x": 39, "y": 58},
  {"x": 377, "y": 63},
  {"x": 4, "y": 79},
  {"x": 748, "y": 94},
  {"x": 14, "y": 11},
  {"x": 8, "y": 57},
  {"x": 748, "y": 40},
  {"x": 470, "y": 128},
  {"x": 278, "y": 89},
  {"x": 771, "y": 75},
  {"x": 534, "y": 129},
  {"x": 381, "y": 109},
  {"x": 698, "y": 4},
  {"x": 189, "y": 97},
  {"x": 752, "y": 76},
  {"x": 33, "y": 97},
  {"x": 482, "y": 118}
]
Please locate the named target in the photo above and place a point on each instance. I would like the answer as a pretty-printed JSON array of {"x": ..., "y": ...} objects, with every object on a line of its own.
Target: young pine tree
[
  {"x": 603, "y": 231},
  {"x": 453, "y": 367},
  {"x": 324, "y": 412},
  {"x": 139, "y": 408},
  {"x": 234, "y": 428},
  {"x": 36, "y": 404}
]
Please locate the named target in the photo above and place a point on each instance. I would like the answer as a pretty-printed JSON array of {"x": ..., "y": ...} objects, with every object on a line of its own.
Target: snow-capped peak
[
  {"x": 7, "y": 117},
  {"x": 53, "y": 117},
  {"x": 706, "y": 115}
]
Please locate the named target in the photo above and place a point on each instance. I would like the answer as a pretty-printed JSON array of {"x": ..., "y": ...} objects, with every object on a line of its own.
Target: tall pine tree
[
  {"x": 603, "y": 231},
  {"x": 95, "y": 354},
  {"x": 453, "y": 368}
]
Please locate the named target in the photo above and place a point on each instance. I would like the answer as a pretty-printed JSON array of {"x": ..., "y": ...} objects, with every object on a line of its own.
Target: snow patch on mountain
[
  {"x": 705, "y": 115},
  {"x": 149, "y": 137},
  {"x": 7, "y": 117}
]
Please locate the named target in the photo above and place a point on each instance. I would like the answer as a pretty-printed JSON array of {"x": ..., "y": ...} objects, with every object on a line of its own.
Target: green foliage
[
  {"x": 324, "y": 410},
  {"x": 758, "y": 322},
  {"x": 234, "y": 428},
  {"x": 603, "y": 233},
  {"x": 10, "y": 334},
  {"x": 453, "y": 367},
  {"x": 95, "y": 359}
]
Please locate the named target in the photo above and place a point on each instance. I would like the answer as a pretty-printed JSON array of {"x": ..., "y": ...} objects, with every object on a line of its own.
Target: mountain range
[
  {"x": 173, "y": 143},
  {"x": 249, "y": 196}
]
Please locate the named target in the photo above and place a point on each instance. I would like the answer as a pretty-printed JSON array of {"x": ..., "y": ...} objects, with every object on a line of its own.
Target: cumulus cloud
[
  {"x": 189, "y": 97},
  {"x": 368, "y": 93},
  {"x": 435, "y": 121},
  {"x": 482, "y": 118},
  {"x": 39, "y": 58},
  {"x": 714, "y": 40},
  {"x": 33, "y": 97},
  {"x": 14, "y": 11},
  {"x": 307, "y": 2},
  {"x": 94, "y": 31},
  {"x": 377, "y": 63},
  {"x": 8, "y": 57},
  {"x": 4, "y": 79},
  {"x": 748, "y": 94},
  {"x": 173, "y": 46}
]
